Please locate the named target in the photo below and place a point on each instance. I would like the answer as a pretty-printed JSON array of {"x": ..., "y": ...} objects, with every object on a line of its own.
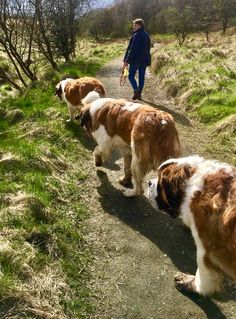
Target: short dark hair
[{"x": 139, "y": 22}]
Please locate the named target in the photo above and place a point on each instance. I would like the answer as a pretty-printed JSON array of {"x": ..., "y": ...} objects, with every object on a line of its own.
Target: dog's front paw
[
  {"x": 185, "y": 282},
  {"x": 69, "y": 120},
  {"x": 130, "y": 193}
]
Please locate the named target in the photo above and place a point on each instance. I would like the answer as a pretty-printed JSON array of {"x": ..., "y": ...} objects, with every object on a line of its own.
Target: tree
[
  {"x": 179, "y": 21},
  {"x": 160, "y": 22},
  {"x": 205, "y": 16},
  {"x": 16, "y": 27},
  {"x": 57, "y": 27},
  {"x": 64, "y": 16},
  {"x": 42, "y": 31},
  {"x": 226, "y": 10},
  {"x": 101, "y": 24}
]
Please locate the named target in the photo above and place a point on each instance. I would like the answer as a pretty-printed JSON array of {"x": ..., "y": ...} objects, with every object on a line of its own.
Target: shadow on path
[
  {"x": 211, "y": 310},
  {"x": 167, "y": 234}
]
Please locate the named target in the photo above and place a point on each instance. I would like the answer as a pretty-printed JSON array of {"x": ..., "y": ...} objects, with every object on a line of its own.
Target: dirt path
[{"x": 138, "y": 250}]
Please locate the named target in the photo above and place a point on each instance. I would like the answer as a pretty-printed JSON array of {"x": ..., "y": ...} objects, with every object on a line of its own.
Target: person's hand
[{"x": 126, "y": 64}]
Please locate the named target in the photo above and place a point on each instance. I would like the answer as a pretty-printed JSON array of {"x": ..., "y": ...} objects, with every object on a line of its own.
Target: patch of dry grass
[{"x": 197, "y": 68}]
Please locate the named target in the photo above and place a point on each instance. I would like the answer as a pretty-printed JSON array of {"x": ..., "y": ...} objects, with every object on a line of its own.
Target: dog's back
[
  {"x": 73, "y": 91},
  {"x": 152, "y": 132},
  {"x": 76, "y": 90},
  {"x": 155, "y": 130}
]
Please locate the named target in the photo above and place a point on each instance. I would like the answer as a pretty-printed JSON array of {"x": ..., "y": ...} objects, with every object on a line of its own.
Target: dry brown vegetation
[{"x": 193, "y": 72}]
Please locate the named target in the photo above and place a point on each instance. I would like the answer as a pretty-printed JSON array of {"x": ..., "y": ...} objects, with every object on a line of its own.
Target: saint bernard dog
[
  {"x": 145, "y": 136},
  {"x": 203, "y": 194},
  {"x": 72, "y": 91}
]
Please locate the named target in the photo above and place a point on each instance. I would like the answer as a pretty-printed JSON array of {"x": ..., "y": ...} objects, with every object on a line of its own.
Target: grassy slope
[
  {"x": 43, "y": 258},
  {"x": 201, "y": 76}
]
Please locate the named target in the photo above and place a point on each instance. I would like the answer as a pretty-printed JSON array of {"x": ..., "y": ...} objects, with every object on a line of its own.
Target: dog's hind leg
[
  {"x": 127, "y": 179},
  {"x": 97, "y": 156},
  {"x": 102, "y": 151},
  {"x": 206, "y": 282},
  {"x": 137, "y": 175},
  {"x": 72, "y": 109},
  {"x": 101, "y": 154}
]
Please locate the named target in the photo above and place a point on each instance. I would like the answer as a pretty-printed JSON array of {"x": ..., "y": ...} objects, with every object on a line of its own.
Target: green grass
[
  {"x": 41, "y": 184},
  {"x": 163, "y": 37},
  {"x": 218, "y": 104}
]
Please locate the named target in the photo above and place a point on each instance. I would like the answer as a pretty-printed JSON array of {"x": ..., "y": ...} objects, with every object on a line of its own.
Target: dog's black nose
[{"x": 149, "y": 183}]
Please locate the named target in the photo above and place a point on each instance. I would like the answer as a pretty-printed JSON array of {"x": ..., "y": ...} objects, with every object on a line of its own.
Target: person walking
[{"x": 138, "y": 57}]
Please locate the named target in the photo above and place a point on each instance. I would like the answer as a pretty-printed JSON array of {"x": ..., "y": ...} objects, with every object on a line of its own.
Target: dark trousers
[{"x": 133, "y": 68}]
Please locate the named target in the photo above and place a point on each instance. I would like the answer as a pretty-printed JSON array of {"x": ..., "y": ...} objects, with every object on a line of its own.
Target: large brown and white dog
[
  {"x": 203, "y": 193},
  {"x": 145, "y": 136},
  {"x": 72, "y": 91}
]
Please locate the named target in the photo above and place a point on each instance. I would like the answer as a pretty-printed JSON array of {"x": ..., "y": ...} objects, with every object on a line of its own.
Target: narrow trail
[{"x": 138, "y": 250}]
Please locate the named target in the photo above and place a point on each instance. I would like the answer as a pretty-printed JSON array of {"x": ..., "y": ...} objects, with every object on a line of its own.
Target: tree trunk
[
  {"x": 181, "y": 37},
  {"x": 224, "y": 25},
  {"x": 207, "y": 36},
  {"x": 49, "y": 55}
]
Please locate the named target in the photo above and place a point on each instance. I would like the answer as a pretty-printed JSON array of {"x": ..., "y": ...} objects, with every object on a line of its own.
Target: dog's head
[
  {"x": 60, "y": 87},
  {"x": 85, "y": 114},
  {"x": 86, "y": 120},
  {"x": 167, "y": 191},
  {"x": 58, "y": 91}
]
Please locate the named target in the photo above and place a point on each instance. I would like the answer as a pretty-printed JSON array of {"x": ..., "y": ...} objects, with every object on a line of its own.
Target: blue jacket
[{"x": 138, "y": 51}]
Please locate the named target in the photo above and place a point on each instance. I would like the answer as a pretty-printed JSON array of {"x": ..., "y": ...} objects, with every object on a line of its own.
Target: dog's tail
[
  {"x": 92, "y": 96},
  {"x": 100, "y": 89}
]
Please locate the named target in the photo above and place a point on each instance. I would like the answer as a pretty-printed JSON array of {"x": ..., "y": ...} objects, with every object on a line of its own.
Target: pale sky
[{"x": 103, "y": 3}]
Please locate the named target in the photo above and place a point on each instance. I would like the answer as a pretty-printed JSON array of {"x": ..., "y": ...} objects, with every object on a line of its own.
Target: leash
[{"x": 124, "y": 76}]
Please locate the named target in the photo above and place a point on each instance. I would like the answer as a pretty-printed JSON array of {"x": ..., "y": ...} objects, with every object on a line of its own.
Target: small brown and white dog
[
  {"x": 203, "y": 194},
  {"x": 145, "y": 136},
  {"x": 72, "y": 91}
]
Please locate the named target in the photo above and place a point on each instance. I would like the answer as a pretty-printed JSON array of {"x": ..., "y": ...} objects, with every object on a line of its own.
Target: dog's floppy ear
[
  {"x": 86, "y": 121},
  {"x": 171, "y": 187},
  {"x": 59, "y": 91}
]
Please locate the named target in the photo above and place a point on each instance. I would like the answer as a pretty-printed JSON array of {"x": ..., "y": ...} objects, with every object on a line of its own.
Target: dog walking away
[
  {"x": 203, "y": 194},
  {"x": 145, "y": 136},
  {"x": 73, "y": 91}
]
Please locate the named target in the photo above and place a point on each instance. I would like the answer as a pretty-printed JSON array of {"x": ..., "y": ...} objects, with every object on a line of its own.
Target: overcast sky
[{"x": 103, "y": 3}]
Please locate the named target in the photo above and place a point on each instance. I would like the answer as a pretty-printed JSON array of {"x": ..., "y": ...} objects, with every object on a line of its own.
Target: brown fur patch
[
  {"x": 153, "y": 141},
  {"x": 76, "y": 90},
  {"x": 151, "y": 133},
  {"x": 214, "y": 211}
]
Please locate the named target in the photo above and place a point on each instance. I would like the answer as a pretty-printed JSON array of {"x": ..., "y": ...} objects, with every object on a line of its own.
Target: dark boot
[{"x": 137, "y": 95}]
